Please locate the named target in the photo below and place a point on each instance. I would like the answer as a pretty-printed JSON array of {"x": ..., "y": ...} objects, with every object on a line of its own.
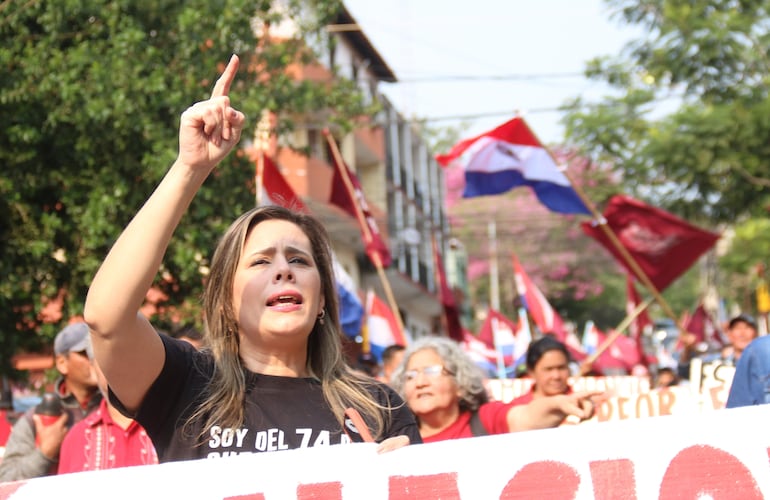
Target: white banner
[
  {"x": 654, "y": 403},
  {"x": 712, "y": 382},
  {"x": 507, "y": 390},
  {"x": 717, "y": 455}
]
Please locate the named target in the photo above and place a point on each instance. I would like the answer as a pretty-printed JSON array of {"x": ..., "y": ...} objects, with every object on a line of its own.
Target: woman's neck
[{"x": 278, "y": 362}]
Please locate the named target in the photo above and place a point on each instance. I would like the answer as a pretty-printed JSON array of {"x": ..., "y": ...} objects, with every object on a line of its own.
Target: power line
[
  {"x": 463, "y": 78},
  {"x": 488, "y": 114}
]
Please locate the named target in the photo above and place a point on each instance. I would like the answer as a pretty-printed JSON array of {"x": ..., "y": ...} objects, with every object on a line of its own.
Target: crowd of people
[
  {"x": 269, "y": 373},
  {"x": 445, "y": 390}
]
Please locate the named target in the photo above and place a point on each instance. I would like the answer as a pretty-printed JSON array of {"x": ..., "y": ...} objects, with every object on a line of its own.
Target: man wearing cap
[
  {"x": 751, "y": 382},
  {"x": 741, "y": 330},
  {"x": 32, "y": 449}
]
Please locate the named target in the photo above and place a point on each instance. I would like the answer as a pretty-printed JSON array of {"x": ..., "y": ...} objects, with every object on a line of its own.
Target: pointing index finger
[{"x": 222, "y": 87}]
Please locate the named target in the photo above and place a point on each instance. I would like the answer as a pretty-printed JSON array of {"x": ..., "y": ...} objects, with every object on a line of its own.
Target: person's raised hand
[{"x": 210, "y": 129}]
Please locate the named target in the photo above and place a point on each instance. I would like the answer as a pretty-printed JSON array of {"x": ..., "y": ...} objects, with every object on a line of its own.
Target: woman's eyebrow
[{"x": 271, "y": 250}]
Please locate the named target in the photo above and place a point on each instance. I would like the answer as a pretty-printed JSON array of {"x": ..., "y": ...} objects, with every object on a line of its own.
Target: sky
[{"x": 486, "y": 60}]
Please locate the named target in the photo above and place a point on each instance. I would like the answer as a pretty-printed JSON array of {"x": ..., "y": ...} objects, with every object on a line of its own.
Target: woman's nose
[{"x": 283, "y": 271}]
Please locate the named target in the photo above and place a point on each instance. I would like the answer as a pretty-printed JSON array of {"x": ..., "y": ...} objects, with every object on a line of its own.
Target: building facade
[{"x": 403, "y": 184}]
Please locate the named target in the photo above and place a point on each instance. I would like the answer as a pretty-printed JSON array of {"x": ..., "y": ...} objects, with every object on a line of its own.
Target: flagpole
[
  {"x": 495, "y": 338},
  {"x": 602, "y": 222},
  {"x": 494, "y": 294},
  {"x": 375, "y": 256},
  {"x": 366, "y": 346},
  {"x": 494, "y": 278},
  {"x": 585, "y": 366}
]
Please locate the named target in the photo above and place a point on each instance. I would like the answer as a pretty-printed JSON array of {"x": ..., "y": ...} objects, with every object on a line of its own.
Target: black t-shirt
[{"x": 281, "y": 413}]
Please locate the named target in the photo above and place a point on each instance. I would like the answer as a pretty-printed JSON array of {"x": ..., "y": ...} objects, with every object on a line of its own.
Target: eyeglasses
[{"x": 432, "y": 371}]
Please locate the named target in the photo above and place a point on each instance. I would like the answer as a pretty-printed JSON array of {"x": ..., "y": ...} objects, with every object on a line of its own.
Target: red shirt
[
  {"x": 494, "y": 416},
  {"x": 97, "y": 443},
  {"x": 5, "y": 427},
  {"x": 527, "y": 398}
]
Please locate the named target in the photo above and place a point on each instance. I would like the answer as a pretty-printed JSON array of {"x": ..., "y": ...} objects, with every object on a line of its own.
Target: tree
[
  {"x": 747, "y": 268},
  {"x": 707, "y": 160},
  {"x": 90, "y": 95}
]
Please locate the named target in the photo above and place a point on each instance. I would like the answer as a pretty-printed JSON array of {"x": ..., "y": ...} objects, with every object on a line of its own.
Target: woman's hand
[
  {"x": 210, "y": 129},
  {"x": 392, "y": 443},
  {"x": 579, "y": 405},
  {"x": 550, "y": 411}
]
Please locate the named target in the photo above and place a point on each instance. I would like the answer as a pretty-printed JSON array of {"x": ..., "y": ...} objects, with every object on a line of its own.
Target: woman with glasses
[{"x": 445, "y": 390}]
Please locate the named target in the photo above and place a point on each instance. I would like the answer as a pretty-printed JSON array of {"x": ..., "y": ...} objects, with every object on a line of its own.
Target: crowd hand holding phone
[{"x": 50, "y": 425}]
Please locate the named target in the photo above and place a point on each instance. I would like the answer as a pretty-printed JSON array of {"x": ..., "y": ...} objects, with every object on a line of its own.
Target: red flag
[
  {"x": 542, "y": 313},
  {"x": 451, "y": 313},
  {"x": 642, "y": 320},
  {"x": 381, "y": 325},
  {"x": 663, "y": 245},
  {"x": 352, "y": 202},
  {"x": 702, "y": 325},
  {"x": 499, "y": 333},
  {"x": 481, "y": 354},
  {"x": 696, "y": 323},
  {"x": 574, "y": 346},
  {"x": 537, "y": 306},
  {"x": 620, "y": 357},
  {"x": 510, "y": 156},
  {"x": 277, "y": 190}
]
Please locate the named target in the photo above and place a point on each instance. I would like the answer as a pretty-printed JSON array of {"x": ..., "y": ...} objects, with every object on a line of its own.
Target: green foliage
[
  {"x": 606, "y": 309},
  {"x": 90, "y": 94},
  {"x": 571, "y": 269},
  {"x": 686, "y": 122},
  {"x": 746, "y": 262},
  {"x": 706, "y": 64}
]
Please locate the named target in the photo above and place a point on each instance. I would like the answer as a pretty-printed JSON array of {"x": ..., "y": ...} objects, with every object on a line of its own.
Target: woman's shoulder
[
  {"x": 494, "y": 409},
  {"x": 181, "y": 356}
]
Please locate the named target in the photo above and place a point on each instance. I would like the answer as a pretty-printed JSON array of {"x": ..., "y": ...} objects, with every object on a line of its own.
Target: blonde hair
[{"x": 224, "y": 399}]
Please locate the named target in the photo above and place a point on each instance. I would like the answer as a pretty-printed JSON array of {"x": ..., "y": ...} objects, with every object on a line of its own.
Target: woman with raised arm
[{"x": 273, "y": 376}]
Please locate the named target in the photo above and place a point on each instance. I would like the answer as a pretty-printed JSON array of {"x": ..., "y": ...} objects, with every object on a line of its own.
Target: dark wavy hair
[{"x": 538, "y": 348}]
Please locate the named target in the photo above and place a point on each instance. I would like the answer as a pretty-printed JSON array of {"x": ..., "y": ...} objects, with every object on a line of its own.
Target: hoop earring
[{"x": 321, "y": 316}]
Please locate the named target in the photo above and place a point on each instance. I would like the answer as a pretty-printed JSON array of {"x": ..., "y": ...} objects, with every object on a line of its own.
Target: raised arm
[
  {"x": 126, "y": 346},
  {"x": 550, "y": 411}
]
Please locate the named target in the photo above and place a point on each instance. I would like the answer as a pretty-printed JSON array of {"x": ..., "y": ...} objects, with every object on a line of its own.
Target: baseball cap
[
  {"x": 73, "y": 338},
  {"x": 745, "y": 318}
]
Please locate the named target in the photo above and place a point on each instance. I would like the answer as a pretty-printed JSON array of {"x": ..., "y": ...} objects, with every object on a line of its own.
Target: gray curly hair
[{"x": 468, "y": 376}]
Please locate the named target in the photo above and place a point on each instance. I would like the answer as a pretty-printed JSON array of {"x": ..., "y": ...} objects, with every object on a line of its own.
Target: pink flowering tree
[{"x": 577, "y": 276}]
